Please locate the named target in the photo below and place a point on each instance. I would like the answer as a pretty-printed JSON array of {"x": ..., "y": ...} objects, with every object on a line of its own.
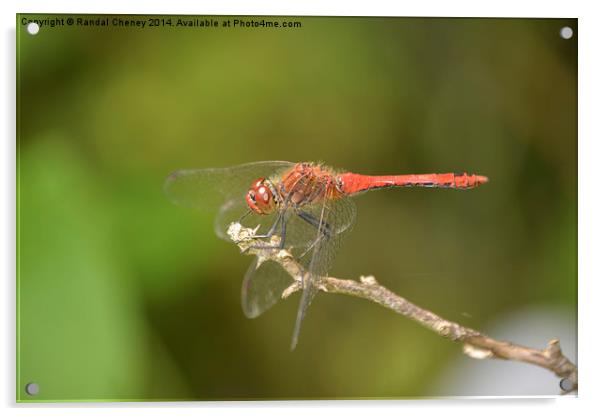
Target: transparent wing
[
  {"x": 209, "y": 189},
  {"x": 299, "y": 233},
  {"x": 334, "y": 217},
  {"x": 338, "y": 216},
  {"x": 262, "y": 287}
]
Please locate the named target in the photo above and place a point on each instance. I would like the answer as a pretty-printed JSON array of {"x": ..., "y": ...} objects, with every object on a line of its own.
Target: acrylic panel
[{"x": 145, "y": 143}]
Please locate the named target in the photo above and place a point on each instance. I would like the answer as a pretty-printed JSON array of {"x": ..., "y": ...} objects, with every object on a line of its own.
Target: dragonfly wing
[
  {"x": 210, "y": 188},
  {"x": 262, "y": 287},
  {"x": 340, "y": 216},
  {"x": 302, "y": 224}
]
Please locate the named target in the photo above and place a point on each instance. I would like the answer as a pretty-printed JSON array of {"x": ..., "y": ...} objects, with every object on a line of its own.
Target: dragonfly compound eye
[
  {"x": 260, "y": 198},
  {"x": 264, "y": 193},
  {"x": 251, "y": 202}
]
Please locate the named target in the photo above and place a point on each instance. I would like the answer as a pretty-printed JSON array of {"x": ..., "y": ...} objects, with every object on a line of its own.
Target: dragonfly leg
[
  {"x": 280, "y": 220},
  {"x": 272, "y": 229},
  {"x": 282, "y": 232},
  {"x": 324, "y": 227}
]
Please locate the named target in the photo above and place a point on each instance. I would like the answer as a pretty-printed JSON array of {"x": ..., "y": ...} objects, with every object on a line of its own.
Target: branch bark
[{"x": 475, "y": 344}]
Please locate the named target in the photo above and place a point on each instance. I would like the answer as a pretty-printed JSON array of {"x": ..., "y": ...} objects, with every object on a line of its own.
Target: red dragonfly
[{"x": 306, "y": 204}]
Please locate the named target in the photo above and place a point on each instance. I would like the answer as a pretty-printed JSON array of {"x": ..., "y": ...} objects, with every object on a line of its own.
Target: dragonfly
[{"x": 307, "y": 205}]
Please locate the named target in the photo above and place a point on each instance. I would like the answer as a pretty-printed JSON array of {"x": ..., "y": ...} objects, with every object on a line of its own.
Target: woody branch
[{"x": 475, "y": 344}]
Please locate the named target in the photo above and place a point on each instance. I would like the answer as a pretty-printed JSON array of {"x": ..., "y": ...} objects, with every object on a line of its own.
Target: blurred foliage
[{"x": 123, "y": 296}]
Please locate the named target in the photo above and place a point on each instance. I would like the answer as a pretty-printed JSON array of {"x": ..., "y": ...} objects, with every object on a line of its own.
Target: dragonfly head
[{"x": 260, "y": 197}]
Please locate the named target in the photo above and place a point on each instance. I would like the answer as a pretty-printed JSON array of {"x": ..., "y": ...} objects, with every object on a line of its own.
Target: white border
[{"x": 590, "y": 135}]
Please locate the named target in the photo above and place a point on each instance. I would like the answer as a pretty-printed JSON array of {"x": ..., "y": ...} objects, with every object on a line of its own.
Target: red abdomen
[{"x": 352, "y": 183}]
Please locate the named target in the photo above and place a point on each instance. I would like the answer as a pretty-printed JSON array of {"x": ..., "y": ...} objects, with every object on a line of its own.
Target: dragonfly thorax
[{"x": 262, "y": 197}]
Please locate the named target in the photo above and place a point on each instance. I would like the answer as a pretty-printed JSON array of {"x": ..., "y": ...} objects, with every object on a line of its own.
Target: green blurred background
[{"x": 123, "y": 296}]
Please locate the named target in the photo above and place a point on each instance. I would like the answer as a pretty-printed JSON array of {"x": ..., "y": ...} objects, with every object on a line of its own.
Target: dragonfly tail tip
[{"x": 482, "y": 179}]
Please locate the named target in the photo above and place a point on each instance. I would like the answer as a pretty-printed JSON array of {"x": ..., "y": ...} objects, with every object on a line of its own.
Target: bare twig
[{"x": 475, "y": 344}]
